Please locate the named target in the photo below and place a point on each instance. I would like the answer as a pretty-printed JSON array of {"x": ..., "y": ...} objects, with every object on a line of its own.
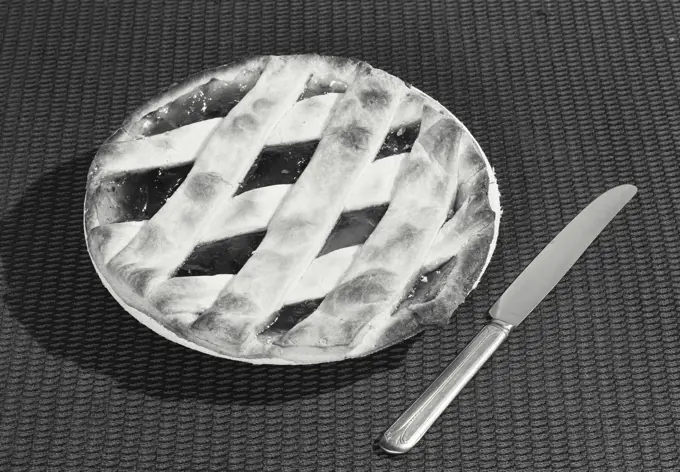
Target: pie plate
[{"x": 291, "y": 210}]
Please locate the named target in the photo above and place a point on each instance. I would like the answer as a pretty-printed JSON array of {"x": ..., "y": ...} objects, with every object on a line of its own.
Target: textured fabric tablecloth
[{"x": 567, "y": 99}]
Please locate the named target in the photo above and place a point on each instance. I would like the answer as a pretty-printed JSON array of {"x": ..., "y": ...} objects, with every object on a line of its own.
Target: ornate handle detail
[{"x": 414, "y": 423}]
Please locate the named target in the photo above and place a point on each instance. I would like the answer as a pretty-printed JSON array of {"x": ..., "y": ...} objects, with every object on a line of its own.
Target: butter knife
[{"x": 520, "y": 299}]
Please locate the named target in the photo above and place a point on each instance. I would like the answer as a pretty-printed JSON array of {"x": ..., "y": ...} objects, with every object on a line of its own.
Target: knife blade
[{"x": 512, "y": 307}]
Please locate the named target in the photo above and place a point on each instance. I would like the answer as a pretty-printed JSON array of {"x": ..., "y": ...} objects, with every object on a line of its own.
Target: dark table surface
[{"x": 567, "y": 99}]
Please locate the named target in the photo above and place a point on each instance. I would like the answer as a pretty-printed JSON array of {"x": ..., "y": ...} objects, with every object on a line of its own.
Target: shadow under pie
[{"x": 50, "y": 287}]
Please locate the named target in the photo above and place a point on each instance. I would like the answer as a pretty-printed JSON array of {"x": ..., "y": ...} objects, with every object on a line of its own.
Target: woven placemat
[{"x": 567, "y": 99}]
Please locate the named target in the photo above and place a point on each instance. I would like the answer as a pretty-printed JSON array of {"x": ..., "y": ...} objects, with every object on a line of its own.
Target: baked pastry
[{"x": 291, "y": 209}]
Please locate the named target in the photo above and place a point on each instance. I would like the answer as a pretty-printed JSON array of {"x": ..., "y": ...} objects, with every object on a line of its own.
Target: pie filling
[
  {"x": 221, "y": 257},
  {"x": 289, "y": 316},
  {"x": 353, "y": 228},
  {"x": 141, "y": 195},
  {"x": 399, "y": 140},
  {"x": 278, "y": 165},
  {"x": 214, "y": 99}
]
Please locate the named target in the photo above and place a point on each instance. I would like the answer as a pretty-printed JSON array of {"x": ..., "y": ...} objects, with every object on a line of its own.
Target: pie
[{"x": 291, "y": 209}]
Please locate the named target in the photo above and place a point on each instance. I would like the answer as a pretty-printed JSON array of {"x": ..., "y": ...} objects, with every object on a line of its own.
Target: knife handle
[{"x": 414, "y": 423}]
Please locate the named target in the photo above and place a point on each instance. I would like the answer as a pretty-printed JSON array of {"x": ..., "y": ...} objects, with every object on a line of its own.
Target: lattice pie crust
[{"x": 291, "y": 209}]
